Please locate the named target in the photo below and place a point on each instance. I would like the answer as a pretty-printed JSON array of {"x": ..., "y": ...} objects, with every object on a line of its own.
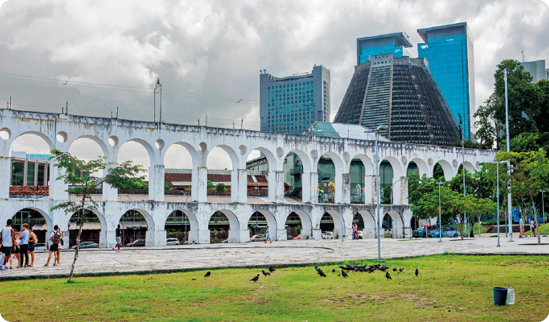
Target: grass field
[{"x": 449, "y": 288}]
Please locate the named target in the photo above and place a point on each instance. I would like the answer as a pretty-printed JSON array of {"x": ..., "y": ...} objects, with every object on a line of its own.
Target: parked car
[
  {"x": 86, "y": 244},
  {"x": 327, "y": 235},
  {"x": 258, "y": 238},
  {"x": 447, "y": 232},
  {"x": 137, "y": 243},
  {"x": 172, "y": 241},
  {"x": 425, "y": 231},
  {"x": 297, "y": 237},
  {"x": 40, "y": 247}
]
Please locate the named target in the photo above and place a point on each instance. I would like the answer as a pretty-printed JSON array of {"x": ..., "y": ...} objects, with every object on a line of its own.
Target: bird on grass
[
  {"x": 321, "y": 273},
  {"x": 333, "y": 270},
  {"x": 416, "y": 272},
  {"x": 344, "y": 274},
  {"x": 394, "y": 269},
  {"x": 400, "y": 270},
  {"x": 317, "y": 268},
  {"x": 271, "y": 269},
  {"x": 255, "y": 279},
  {"x": 208, "y": 274},
  {"x": 265, "y": 273},
  {"x": 388, "y": 276}
]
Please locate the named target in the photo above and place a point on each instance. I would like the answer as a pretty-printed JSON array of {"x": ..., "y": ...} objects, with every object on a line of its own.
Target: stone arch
[
  {"x": 271, "y": 173},
  {"x": 397, "y": 230},
  {"x": 369, "y": 178},
  {"x": 469, "y": 166},
  {"x": 422, "y": 167},
  {"x": 48, "y": 140},
  {"x": 447, "y": 167},
  {"x": 271, "y": 222},
  {"x": 308, "y": 193},
  {"x": 195, "y": 164},
  {"x": 150, "y": 236},
  {"x": 103, "y": 240},
  {"x": 306, "y": 223},
  {"x": 47, "y": 230},
  {"x": 235, "y": 193},
  {"x": 192, "y": 232},
  {"x": 339, "y": 223},
  {"x": 95, "y": 139},
  {"x": 396, "y": 182},
  {"x": 234, "y": 225},
  {"x": 146, "y": 145},
  {"x": 338, "y": 175},
  {"x": 369, "y": 224}
]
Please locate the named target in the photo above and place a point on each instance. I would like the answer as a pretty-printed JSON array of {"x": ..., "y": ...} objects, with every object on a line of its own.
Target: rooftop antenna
[
  {"x": 67, "y": 107},
  {"x": 10, "y": 102},
  {"x": 62, "y": 110},
  {"x": 117, "y": 112},
  {"x": 158, "y": 90},
  {"x": 522, "y": 56},
  {"x": 241, "y": 124},
  {"x": 206, "y": 121},
  {"x": 199, "y": 122}
]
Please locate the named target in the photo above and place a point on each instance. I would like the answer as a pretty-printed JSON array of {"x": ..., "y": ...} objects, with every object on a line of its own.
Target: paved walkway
[{"x": 252, "y": 254}]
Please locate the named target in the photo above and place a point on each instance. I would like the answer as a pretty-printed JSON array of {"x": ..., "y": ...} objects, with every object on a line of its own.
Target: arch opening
[
  {"x": 222, "y": 167},
  {"x": 298, "y": 225},
  {"x": 330, "y": 170},
  {"x": 93, "y": 229},
  {"x": 30, "y": 167},
  {"x": 182, "y": 225},
  {"x": 223, "y": 227},
  {"x": 135, "y": 224},
  {"x": 181, "y": 167},
  {"x": 35, "y": 219},
  {"x": 261, "y": 221},
  {"x": 261, "y": 177},
  {"x": 393, "y": 224},
  {"x": 331, "y": 225},
  {"x": 296, "y": 175},
  {"x": 137, "y": 153},
  {"x": 369, "y": 230},
  {"x": 443, "y": 169}
]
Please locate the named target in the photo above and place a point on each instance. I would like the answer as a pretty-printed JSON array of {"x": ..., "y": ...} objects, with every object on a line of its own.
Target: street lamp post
[
  {"x": 378, "y": 184},
  {"x": 509, "y": 164},
  {"x": 497, "y": 174},
  {"x": 543, "y": 211},
  {"x": 439, "y": 214},
  {"x": 463, "y": 166}
]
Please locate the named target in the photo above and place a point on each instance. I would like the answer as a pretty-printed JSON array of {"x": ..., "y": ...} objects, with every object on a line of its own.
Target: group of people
[
  {"x": 20, "y": 245},
  {"x": 532, "y": 227}
]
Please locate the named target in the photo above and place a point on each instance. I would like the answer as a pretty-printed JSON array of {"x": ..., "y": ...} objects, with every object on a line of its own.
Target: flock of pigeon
[{"x": 355, "y": 268}]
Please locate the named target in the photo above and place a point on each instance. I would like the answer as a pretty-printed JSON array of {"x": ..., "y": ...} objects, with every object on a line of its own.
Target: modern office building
[
  {"x": 402, "y": 94},
  {"x": 450, "y": 52},
  {"x": 395, "y": 43},
  {"x": 536, "y": 69},
  {"x": 293, "y": 103}
]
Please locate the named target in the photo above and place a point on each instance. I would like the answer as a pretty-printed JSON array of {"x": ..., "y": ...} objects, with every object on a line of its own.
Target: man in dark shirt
[{"x": 118, "y": 238}]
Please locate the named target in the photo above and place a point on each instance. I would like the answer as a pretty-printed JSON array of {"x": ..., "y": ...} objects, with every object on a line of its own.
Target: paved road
[{"x": 252, "y": 254}]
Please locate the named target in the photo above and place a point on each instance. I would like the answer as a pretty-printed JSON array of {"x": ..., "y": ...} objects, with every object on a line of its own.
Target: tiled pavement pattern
[{"x": 254, "y": 254}]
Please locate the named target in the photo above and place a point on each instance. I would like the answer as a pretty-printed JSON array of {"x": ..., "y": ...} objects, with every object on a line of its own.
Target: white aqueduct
[{"x": 60, "y": 131}]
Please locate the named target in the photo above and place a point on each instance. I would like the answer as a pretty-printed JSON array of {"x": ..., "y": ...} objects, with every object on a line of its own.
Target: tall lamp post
[
  {"x": 463, "y": 166},
  {"x": 378, "y": 184},
  {"x": 497, "y": 173},
  {"x": 509, "y": 167},
  {"x": 543, "y": 211},
  {"x": 439, "y": 214}
]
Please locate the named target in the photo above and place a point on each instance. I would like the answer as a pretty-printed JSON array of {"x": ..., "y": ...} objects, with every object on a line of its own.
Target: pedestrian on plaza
[
  {"x": 355, "y": 231},
  {"x": 268, "y": 236},
  {"x": 17, "y": 250},
  {"x": 7, "y": 239},
  {"x": 32, "y": 244},
  {"x": 118, "y": 238},
  {"x": 521, "y": 225},
  {"x": 55, "y": 238},
  {"x": 24, "y": 246}
]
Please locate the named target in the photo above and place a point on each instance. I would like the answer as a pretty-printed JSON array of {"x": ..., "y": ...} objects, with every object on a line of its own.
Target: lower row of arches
[{"x": 222, "y": 227}]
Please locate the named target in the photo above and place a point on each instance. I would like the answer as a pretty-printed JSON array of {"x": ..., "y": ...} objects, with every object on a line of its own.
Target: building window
[{"x": 17, "y": 173}]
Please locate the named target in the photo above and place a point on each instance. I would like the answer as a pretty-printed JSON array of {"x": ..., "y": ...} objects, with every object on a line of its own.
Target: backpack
[{"x": 55, "y": 239}]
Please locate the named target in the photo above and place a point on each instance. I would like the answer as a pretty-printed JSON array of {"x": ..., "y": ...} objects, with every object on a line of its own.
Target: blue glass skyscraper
[
  {"x": 450, "y": 53},
  {"x": 395, "y": 44}
]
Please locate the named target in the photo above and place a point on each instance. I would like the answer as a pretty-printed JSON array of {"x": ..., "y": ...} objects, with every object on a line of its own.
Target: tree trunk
[{"x": 77, "y": 250}]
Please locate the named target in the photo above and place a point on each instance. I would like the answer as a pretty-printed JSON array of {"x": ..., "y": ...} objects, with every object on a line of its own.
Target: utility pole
[
  {"x": 509, "y": 206},
  {"x": 463, "y": 166},
  {"x": 158, "y": 90}
]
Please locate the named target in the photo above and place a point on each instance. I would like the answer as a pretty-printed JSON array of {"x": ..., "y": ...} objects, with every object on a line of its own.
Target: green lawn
[{"x": 449, "y": 288}]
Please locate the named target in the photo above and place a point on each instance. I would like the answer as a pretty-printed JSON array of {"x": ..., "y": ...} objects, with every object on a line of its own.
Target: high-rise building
[
  {"x": 401, "y": 93},
  {"x": 450, "y": 52},
  {"x": 395, "y": 43},
  {"x": 536, "y": 69},
  {"x": 291, "y": 104}
]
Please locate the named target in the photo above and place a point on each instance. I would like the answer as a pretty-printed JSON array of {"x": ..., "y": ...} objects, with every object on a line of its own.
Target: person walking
[
  {"x": 24, "y": 246},
  {"x": 268, "y": 236},
  {"x": 355, "y": 231},
  {"x": 7, "y": 238},
  {"x": 532, "y": 227},
  {"x": 118, "y": 238},
  {"x": 55, "y": 237},
  {"x": 17, "y": 249},
  {"x": 521, "y": 225},
  {"x": 32, "y": 244}
]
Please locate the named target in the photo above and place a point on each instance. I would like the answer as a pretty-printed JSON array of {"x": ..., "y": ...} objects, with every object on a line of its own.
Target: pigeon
[
  {"x": 394, "y": 269},
  {"x": 417, "y": 272},
  {"x": 255, "y": 279},
  {"x": 400, "y": 270},
  {"x": 388, "y": 276},
  {"x": 271, "y": 269},
  {"x": 333, "y": 270},
  {"x": 321, "y": 273},
  {"x": 317, "y": 268},
  {"x": 208, "y": 274},
  {"x": 265, "y": 273},
  {"x": 344, "y": 274}
]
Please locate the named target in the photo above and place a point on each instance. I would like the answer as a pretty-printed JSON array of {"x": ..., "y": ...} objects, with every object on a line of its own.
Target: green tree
[
  {"x": 523, "y": 97},
  {"x": 220, "y": 187},
  {"x": 486, "y": 126},
  {"x": 209, "y": 184},
  {"x": 82, "y": 185}
]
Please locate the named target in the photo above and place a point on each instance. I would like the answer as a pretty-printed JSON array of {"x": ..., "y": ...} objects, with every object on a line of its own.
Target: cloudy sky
[{"x": 98, "y": 55}]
